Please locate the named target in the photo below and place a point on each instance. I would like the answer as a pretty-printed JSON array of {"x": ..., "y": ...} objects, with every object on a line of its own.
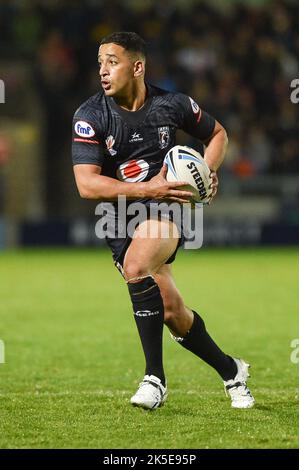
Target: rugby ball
[{"x": 186, "y": 164}]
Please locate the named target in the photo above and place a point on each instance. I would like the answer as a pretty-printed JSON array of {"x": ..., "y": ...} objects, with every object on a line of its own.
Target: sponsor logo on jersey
[
  {"x": 196, "y": 109},
  {"x": 198, "y": 180},
  {"x": 164, "y": 136},
  {"x": 136, "y": 138},
  {"x": 132, "y": 171},
  {"x": 84, "y": 129},
  {"x": 110, "y": 141},
  {"x": 194, "y": 105}
]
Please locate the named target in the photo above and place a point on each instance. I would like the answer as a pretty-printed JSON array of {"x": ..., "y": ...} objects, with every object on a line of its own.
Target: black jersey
[{"x": 131, "y": 146}]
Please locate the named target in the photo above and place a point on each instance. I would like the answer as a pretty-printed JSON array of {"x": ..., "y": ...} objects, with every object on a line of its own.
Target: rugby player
[{"x": 120, "y": 138}]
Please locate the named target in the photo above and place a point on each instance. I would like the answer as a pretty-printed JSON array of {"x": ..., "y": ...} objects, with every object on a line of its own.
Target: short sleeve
[
  {"x": 195, "y": 121},
  {"x": 87, "y": 145}
]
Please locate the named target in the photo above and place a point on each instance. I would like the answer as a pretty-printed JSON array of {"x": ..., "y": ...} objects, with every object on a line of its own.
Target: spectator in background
[
  {"x": 237, "y": 62},
  {"x": 56, "y": 70}
]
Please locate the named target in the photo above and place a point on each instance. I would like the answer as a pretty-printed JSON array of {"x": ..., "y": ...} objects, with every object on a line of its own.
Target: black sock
[
  {"x": 200, "y": 343},
  {"x": 149, "y": 316}
]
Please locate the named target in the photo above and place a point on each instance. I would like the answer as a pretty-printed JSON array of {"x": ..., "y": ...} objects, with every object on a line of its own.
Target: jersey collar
[{"x": 133, "y": 117}]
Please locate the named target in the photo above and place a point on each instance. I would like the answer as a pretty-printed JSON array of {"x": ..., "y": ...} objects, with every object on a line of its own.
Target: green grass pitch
[{"x": 73, "y": 358}]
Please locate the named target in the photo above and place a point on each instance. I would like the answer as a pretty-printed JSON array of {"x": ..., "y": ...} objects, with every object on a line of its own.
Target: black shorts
[{"x": 119, "y": 245}]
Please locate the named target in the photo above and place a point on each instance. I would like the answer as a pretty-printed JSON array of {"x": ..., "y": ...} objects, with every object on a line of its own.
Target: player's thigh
[
  {"x": 153, "y": 243},
  {"x": 172, "y": 299}
]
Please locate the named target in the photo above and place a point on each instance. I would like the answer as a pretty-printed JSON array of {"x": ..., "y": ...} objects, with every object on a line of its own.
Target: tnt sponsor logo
[
  {"x": 84, "y": 129},
  {"x": 2, "y": 92},
  {"x": 133, "y": 171}
]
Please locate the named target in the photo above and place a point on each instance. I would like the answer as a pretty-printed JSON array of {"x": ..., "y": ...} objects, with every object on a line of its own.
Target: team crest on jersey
[
  {"x": 194, "y": 105},
  {"x": 164, "y": 136},
  {"x": 84, "y": 129},
  {"x": 110, "y": 141},
  {"x": 132, "y": 171}
]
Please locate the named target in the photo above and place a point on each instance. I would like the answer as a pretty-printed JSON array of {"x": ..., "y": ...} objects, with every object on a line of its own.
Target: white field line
[{"x": 121, "y": 393}]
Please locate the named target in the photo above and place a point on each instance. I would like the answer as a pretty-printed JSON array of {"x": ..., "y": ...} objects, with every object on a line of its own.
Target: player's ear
[{"x": 139, "y": 68}]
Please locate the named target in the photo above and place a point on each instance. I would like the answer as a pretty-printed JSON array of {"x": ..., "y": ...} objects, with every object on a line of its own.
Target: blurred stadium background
[{"x": 236, "y": 58}]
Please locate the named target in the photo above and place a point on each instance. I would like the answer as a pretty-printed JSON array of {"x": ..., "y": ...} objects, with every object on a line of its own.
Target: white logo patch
[
  {"x": 146, "y": 313},
  {"x": 194, "y": 105},
  {"x": 84, "y": 129},
  {"x": 132, "y": 171},
  {"x": 136, "y": 138}
]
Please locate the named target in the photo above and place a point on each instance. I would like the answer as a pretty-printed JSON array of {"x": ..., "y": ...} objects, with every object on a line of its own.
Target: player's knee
[{"x": 133, "y": 270}]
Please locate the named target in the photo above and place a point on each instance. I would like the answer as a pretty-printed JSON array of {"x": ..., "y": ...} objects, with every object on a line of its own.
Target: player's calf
[{"x": 149, "y": 315}]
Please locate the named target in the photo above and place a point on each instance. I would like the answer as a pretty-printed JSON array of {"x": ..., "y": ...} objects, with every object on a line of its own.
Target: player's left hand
[{"x": 213, "y": 185}]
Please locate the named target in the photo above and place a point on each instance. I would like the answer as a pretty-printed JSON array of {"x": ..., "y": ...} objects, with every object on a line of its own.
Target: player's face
[{"x": 116, "y": 69}]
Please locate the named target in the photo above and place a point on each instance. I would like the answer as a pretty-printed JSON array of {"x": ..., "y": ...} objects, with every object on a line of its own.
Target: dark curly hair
[{"x": 130, "y": 41}]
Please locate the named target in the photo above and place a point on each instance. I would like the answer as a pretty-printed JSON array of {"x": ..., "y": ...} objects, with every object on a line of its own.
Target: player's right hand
[{"x": 159, "y": 188}]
